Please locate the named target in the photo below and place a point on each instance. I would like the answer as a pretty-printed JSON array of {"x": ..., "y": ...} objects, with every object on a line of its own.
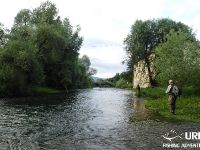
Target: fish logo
[{"x": 172, "y": 135}]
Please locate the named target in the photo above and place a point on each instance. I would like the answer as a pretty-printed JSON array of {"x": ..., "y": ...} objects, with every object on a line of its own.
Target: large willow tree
[
  {"x": 40, "y": 50},
  {"x": 143, "y": 38}
]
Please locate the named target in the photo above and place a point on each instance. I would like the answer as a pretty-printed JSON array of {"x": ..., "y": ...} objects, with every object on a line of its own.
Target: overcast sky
[{"x": 105, "y": 23}]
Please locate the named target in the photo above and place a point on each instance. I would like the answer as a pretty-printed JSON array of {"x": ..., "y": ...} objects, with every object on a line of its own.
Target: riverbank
[
  {"x": 187, "y": 105},
  {"x": 35, "y": 91},
  {"x": 46, "y": 90}
]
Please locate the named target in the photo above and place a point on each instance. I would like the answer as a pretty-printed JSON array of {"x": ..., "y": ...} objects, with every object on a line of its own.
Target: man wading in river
[{"x": 172, "y": 91}]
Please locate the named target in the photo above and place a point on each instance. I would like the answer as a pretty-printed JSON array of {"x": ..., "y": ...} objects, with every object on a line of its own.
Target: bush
[
  {"x": 153, "y": 92},
  {"x": 191, "y": 91},
  {"x": 121, "y": 83}
]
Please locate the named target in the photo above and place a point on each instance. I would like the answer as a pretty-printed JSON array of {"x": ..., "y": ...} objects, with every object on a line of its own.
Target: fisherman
[
  {"x": 173, "y": 92},
  {"x": 138, "y": 90}
]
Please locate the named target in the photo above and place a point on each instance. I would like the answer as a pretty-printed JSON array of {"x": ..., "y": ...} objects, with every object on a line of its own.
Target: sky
[{"x": 106, "y": 23}]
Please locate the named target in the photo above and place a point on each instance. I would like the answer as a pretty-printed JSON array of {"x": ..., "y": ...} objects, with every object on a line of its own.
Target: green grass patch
[
  {"x": 46, "y": 90},
  {"x": 187, "y": 105},
  {"x": 152, "y": 92}
]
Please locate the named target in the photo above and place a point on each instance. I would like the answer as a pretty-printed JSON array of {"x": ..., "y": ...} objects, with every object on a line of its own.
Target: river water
[{"x": 99, "y": 118}]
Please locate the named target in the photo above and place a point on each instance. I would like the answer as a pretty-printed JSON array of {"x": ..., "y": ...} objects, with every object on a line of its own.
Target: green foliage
[
  {"x": 3, "y": 35},
  {"x": 157, "y": 101},
  {"x": 85, "y": 61},
  {"x": 20, "y": 68},
  {"x": 85, "y": 72},
  {"x": 103, "y": 83},
  {"x": 191, "y": 91},
  {"x": 41, "y": 50},
  {"x": 45, "y": 90},
  {"x": 23, "y": 18},
  {"x": 45, "y": 13},
  {"x": 178, "y": 59},
  {"x": 145, "y": 36},
  {"x": 121, "y": 83},
  {"x": 124, "y": 75},
  {"x": 183, "y": 109},
  {"x": 121, "y": 80},
  {"x": 153, "y": 93},
  {"x": 158, "y": 92}
]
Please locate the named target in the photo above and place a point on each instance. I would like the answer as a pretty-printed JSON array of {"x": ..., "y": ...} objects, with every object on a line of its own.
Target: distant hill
[
  {"x": 96, "y": 78},
  {"x": 102, "y": 82}
]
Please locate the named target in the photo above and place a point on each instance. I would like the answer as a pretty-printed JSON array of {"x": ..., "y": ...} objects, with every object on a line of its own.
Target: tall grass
[{"x": 187, "y": 105}]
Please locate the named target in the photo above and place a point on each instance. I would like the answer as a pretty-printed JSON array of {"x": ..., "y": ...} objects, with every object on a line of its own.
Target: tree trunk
[{"x": 148, "y": 63}]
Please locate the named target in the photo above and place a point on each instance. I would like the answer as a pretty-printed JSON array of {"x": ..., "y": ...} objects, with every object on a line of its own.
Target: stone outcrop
[{"x": 140, "y": 73}]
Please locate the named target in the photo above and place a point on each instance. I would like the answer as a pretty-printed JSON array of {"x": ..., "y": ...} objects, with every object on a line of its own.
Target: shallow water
[{"x": 99, "y": 118}]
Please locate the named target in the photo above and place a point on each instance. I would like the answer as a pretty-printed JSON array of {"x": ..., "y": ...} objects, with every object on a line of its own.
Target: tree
[
  {"x": 3, "y": 35},
  {"x": 23, "y": 18},
  {"x": 144, "y": 37},
  {"x": 41, "y": 50},
  {"x": 86, "y": 61},
  {"x": 58, "y": 44},
  {"x": 20, "y": 69},
  {"x": 178, "y": 59},
  {"x": 121, "y": 83},
  {"x": 45, "y": 13}
]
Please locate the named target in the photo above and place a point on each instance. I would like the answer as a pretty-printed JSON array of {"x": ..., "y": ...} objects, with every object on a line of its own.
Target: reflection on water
[
  {"x": 140, "y": 113},
  {"x": 138, "y": 105},
  {"x": 86, "y": 119}
]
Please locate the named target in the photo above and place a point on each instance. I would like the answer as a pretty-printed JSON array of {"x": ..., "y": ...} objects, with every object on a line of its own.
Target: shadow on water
[
  {"x": 47, "y": 100},
  {"x": 140, "y": 113},
  {"x": 31, "y": 121}
]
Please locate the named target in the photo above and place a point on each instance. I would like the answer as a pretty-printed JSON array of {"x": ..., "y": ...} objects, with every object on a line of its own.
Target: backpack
[{"x": 176, "y": 91}]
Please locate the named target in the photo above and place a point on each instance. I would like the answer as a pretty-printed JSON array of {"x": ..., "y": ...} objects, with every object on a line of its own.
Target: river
[{"x": 99, "y": 118}]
